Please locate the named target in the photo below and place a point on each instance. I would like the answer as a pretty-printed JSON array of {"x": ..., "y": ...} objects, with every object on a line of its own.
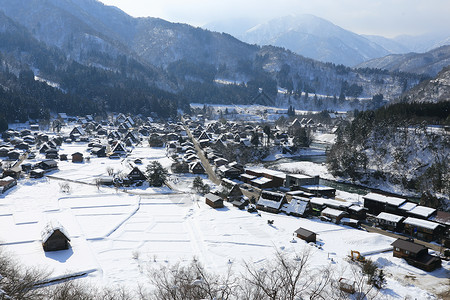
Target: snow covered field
[{"x": 115, "y": 234}]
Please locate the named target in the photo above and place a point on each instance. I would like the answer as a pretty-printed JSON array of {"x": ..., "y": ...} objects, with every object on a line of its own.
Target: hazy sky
[{"x": 381, "y": 17}]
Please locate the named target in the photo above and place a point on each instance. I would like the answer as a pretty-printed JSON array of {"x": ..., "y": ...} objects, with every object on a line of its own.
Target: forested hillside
[
  {"x": 404, "y": 146},
  {"x": 98, "y": 52}
]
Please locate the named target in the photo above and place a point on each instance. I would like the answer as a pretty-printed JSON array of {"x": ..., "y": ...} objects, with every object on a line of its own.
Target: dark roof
[
  {"x": 407, "y": 245},
  {"x": 304, "y": 232},
  {"x": 442, "y": 217}
]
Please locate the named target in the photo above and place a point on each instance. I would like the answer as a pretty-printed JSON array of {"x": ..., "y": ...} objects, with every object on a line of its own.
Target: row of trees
[{"x": 281, "y": 278}]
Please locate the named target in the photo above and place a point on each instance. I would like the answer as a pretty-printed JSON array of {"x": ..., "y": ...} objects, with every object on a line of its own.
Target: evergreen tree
[{"x": 156, "y": 174}]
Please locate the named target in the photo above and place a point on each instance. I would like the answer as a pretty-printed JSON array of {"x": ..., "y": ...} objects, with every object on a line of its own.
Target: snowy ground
[{"x": 116, "y": 235}]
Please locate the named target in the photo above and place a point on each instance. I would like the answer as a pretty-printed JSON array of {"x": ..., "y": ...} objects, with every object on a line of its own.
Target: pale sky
[{"x": 381, "y": 17}]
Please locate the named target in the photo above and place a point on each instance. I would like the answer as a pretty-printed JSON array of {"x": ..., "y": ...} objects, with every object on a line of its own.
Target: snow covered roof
[
  {"x": 356, "y": 208},
  {"x": 269, "y": 203},
  {"x": 299, "y": 176},
  {"x": 271, "y": 199},
  {"x": 268, "y": 172},
  {"x": 296, "y": 206},
  {"x": 385, "y": 199},
  {"x": 421, "y": 223},
  {"x": 51, "y": 227},
  {"x": 333, "y": 212},
  {"x": 261, "y": 180},
  {"x": 422, "y": 211},
  {"x": 7, "y": 179},
  {"x": 407, "y": 206},
  {"x": 317, "y": 201},
  {"x": 389, "y": 217},
  {"x": 248, "y": 176}
]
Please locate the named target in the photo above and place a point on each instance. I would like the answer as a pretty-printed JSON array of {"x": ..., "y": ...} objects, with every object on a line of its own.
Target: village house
[
  {"x": 270, "y": 201},
  {"x": 422, "y": 229},
  {"x": 77, "y": 132},
  {"x": 119, "y": 149},
  {"x": 54, "y": 237},
  {"x": 228, "y": 172},
  {"x": 389, "y": 221},
  {"x": 48, "y": 165},
  {"x": 319, "y": 190},
  {"x": 231, "y": 189},
  {"x": 37, "y": 173},
  {"x": 213, "y": 200},
  {"x": 377, "y": 203},
  {"x": 196, "y": 167},
  {"x": 51, "y": 153},
  {"x": 357, "y": 212},
  {"x": 443, "y": 218},
  {"x": 99, "y": 151},
  {"x": 416, "y": 255},
  {"x": 136, "y": 175},
  {"x": 333, "y": 215},
  {"x": 7, "y": 183},
  {"x": 265, "y": 178},
  {"x": 294, "y": 181},
  {"x": 297, "y": 207}
]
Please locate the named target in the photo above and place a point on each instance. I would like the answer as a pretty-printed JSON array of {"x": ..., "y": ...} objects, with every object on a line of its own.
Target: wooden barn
[
  {"x": 213, "y": 200},
  {"x": 55, "y": 237},
  {"x": 77, "y": 157},
  {"x": 306, "y": 235}
]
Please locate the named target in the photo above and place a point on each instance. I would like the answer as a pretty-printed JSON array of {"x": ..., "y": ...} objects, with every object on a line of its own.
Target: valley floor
[{"x": 117, "y": 234}]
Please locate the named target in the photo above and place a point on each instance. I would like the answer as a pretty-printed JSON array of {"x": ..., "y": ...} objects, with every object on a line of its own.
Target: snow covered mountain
[
  {"x": 429, "y": 63},
  {"x": 425, "y": 42},
  {"x": 431, "y": 91},
  {"x": 190, "y": 61},
  {"x": 316, "y": 38}
]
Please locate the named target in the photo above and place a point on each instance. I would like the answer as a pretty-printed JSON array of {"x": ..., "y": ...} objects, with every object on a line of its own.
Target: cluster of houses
[
  {"x": 293, "y": 194},
  {"x": 113, "y": 138},
  {"x": 301, "y": 195},
  {"x": 218, "y": 134}
]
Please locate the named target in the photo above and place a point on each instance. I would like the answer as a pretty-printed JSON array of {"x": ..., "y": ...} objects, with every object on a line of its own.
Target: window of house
[
  {"x": 397, "y": 249},
  {"x": 406, "y": 251}
]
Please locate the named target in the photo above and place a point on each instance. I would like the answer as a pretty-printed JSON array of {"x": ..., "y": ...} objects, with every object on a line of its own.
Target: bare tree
[
  {"x": 285, "y": 278},
  {"x": 190, "y": 282},
  {"x": 18, "y": 282}
]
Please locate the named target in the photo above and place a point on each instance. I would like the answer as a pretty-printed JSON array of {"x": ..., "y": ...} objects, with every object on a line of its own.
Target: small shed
[
  {"x": 306, "y": 235},
  {"x": 55, "y": 237},
  {"x": 37, "y": 173},
  {"x": 77, "y": 157},
  {"x": 213, "y": 200},
  {"x": 7, "y": 183}
]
